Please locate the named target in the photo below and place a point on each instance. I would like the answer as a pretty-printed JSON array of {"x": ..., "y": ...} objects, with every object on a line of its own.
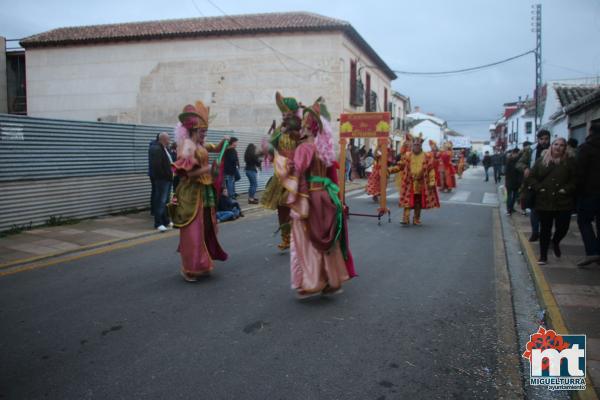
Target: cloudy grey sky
[{"x": 425, "y": 35}]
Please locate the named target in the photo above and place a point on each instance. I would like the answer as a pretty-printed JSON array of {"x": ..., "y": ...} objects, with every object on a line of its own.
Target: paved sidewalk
[
  {"x": 48, "y": 242},
  {"x": 570, "y": 295}
]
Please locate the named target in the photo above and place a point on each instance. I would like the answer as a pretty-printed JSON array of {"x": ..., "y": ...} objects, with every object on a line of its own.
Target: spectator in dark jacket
[
  {"x": 160, "y": 160},
  {"x": 553, "y": 179},
  {"x": 572, "y": 144},
  {"x": 497, "y": 162},
  {"x": 362, "y": 154},
  {"x": 252, "y": 160},
  {"x": 588, "y": 194},
  {"x": 512, "y": 181},
  {"x": 231, "y": 167},
  {"x": 528, "y": 160},
  {"x": 487, "y": 163}
]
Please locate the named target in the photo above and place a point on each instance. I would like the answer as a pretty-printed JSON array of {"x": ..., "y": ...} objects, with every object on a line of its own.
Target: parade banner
[{"x": 365, "y": 125}]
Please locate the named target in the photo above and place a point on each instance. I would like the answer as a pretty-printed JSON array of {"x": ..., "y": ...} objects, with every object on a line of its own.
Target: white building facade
[
  {"x": 430, "y": 126},
  {"x": 399, "y": 108},
  {"x": 520, "y": 127}
]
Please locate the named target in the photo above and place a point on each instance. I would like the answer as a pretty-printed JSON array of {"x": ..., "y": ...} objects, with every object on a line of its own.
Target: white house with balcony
[
  {"x": 399, "y": 107},
  {"x": 519, "y": 123}
]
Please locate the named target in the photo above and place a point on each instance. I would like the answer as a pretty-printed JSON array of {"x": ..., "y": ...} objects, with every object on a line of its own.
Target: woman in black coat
[
  {"x": 252, "y": 160},
  {"x": 553, "y": 180}
]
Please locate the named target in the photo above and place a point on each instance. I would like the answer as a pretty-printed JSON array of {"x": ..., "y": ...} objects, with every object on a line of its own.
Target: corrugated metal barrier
[{"x": 76, "y": 169}]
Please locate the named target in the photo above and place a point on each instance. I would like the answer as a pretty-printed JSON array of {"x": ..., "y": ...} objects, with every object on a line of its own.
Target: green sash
[{"x": 333, "y": 190}]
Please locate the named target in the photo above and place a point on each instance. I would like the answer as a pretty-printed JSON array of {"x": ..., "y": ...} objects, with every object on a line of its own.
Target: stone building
[{"x": 144, "y": 72}]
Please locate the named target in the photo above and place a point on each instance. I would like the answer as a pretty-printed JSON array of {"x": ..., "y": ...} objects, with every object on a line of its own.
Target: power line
[
  {"x": 472, "y": 120},
  {"x": 457, "y": 71},
  {"x": 436, "y": 73}
]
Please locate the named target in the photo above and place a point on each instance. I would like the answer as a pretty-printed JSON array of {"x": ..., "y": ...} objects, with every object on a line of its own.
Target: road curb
[
  {"x": 94, "y": 246},
  {"x": 75, "y": 255},
  {"x": 249, "y": 210},
  {"x": 553, "y": 313},
  {"x": 508, "y": 362},
  {"x": 60, "y": 253}
]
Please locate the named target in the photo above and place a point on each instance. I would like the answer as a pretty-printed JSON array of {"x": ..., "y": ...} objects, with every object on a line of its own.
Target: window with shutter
[
  {"x": 368, "y": 94},
  {"x": 373, "y": 101},
  {"x": 385, "y": 100},
  {"x": 353, "y": 83}
]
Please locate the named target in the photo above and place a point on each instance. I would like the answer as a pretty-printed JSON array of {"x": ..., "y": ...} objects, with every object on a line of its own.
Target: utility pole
[{"x": 536, "y": 22}]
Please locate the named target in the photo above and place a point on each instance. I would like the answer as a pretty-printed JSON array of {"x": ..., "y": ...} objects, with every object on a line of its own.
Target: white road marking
[
  {"x": 353, "y": 192},
  {"x": 466, "y": 203},
  {"x": 368, "y": 196},
  {"x": 490, "y": 198},
  {"x": 460, "y": 195}
]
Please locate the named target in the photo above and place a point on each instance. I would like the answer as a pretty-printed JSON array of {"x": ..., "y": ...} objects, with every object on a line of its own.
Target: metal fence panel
[{"x": 77, "y": 169}]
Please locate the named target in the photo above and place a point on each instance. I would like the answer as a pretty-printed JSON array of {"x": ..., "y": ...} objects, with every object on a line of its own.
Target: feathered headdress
[
  {"x": 406, "y": 143},
  {"x": 286, "y": 104},
  {"x": 198, "y": 111},
  {"x": 419, "y": 139},
  {"x": 316, "y": 118},
  {"x": 203, "y": 112},
  {"x": 311, "y": 118}
]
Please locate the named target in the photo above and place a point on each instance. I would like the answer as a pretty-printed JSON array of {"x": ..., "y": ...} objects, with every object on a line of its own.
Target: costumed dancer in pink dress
[
  {"x": 193, "y": 207},
  {"x": 320, "y": 255}
]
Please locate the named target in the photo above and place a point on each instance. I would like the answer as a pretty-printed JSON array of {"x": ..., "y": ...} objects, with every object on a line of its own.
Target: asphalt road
[{"x": 418, "y": 323}]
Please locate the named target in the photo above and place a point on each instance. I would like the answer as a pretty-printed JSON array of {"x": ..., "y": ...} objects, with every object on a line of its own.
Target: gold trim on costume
[{"x": 199, "y": 195}]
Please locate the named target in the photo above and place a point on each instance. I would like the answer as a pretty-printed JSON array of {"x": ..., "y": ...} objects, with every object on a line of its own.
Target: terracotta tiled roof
[
  {"x": 570, "y": 97},
  {"x": 202, "y": 27},
  {"x": 510, "y": 111},
  {"x": 570, "y": 94},
  {"x": 591, "y": 98}
]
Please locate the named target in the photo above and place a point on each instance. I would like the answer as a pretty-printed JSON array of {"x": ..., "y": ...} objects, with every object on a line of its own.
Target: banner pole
[
  {"x": 342, "y": 171},
  {"x": 383, "y": 172}
]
